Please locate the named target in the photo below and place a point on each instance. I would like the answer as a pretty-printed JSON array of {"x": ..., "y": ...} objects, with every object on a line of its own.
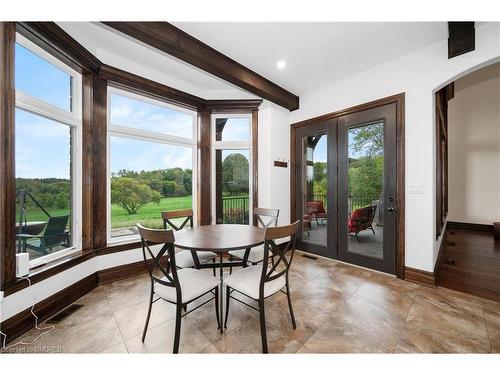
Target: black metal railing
[
  {"x": 235, "y": 210},
  {"x": 355, "y": 201},
  {"x": 360, "y": 201}
]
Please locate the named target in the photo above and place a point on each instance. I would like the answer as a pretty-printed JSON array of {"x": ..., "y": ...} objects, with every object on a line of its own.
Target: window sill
[
  {"x": 119, "y": 246},
  {"x": 47, "y": 270}
]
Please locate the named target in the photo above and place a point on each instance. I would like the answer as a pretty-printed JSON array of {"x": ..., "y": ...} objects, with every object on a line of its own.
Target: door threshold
[{"x": 349, "y": 264}]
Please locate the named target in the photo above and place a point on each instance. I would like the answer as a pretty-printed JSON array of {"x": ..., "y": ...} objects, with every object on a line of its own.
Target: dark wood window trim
[
  {"x": 399, "y": 99},
  {"x": 170, "y": 39},
  {"x": 7, "y": 154},
  {"x": 441, "y": 102},
  {"x": 95, "y": 77}
]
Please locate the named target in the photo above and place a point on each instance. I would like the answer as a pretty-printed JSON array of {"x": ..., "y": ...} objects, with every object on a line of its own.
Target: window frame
[
  {"x": 231, "y": 145},
  {"x": 73, "y": 119},
  {"x": 114, "y": 130}
]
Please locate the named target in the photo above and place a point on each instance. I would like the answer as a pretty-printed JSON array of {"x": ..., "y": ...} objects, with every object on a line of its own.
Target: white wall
[
  {"x": 274, "y": 144},
  {"x": 474, "y": 148},
  {"x": 418, "y": 75}
]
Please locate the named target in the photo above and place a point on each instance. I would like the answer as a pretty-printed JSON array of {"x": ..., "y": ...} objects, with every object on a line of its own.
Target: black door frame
[
  {"x": 399, "y": 99},
  {"x": 328, "y": 127},
  {"x": 387, "y": 115}
]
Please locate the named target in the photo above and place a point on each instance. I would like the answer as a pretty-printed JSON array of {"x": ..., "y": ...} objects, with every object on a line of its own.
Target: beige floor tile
[
  {"x": 340, "y": 337},
  {"x": 451, "y": 300},
  {"x": 247, "y": 339},
  {"x": 160, "y": 339},
  {"x": 382, "y": 322},
  {"x": 205, "y": 319},
  {"x": 117, "y": 349},
  {"x": 441, "y": 328},
  {"x": 131, "y": 319}
]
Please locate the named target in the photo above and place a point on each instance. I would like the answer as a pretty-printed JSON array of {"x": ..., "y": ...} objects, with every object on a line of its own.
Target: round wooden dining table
[{"x": 220, "y": 238}]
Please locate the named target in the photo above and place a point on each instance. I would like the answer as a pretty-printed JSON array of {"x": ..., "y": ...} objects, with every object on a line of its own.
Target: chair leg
[
  {"x": 217, "y": 306},
  {"x": 372, "y": 230},
  {"x": 227, "y": 305},
  {"x": 357, "y": 237},
  {"x": 263, "y": 332},
  {"x": 148, "y": 316},
  {"x": 290, "y": 306},
  {"x": 177, "y": 335},
  {"x": 213, "y": 261}
]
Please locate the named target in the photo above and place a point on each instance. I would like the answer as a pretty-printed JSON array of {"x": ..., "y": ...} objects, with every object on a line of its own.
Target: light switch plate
[{"x": 416, "y": 189}]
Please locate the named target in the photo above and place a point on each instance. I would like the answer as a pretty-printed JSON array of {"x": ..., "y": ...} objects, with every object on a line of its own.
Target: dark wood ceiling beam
[
  {"x": 126, "y": 80},
  {"x": 58, "y": 42},
  {"x": 461, "y": 38},
  {"x": 173, "y": 41}
]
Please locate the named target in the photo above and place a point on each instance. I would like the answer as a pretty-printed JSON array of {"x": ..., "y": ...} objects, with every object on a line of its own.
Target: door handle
[{"x": 391, "y": 209}]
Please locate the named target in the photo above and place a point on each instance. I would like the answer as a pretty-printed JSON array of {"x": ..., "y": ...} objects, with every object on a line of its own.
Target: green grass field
[{"x": 149, "y": 215}]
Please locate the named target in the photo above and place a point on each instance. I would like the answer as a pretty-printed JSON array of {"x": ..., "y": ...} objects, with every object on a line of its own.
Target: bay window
[
  {"x": 232, "y": 180},
  {"x": 151, "y": 162},
  {"x": 48, "y": 121}
]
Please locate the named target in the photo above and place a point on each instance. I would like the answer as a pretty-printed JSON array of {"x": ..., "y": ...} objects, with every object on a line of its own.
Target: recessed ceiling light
[{"x": 281, "y": 64}]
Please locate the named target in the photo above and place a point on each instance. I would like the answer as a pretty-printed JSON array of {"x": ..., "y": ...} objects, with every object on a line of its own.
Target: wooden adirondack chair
[{"x": 54, "y": 234}]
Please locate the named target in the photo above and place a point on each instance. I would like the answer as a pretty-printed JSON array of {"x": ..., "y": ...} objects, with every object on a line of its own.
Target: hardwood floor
[
  {"x": 471, "y": 263},
  {"x": 339, "y": 309}
]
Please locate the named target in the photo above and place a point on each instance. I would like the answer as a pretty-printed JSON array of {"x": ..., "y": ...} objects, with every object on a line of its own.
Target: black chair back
[
  {"x": 282, "y": 253},
  {"x": 167, "y": 217},
  {"x": 266, "y": 217},
  {"x": 164, "y": 260}
]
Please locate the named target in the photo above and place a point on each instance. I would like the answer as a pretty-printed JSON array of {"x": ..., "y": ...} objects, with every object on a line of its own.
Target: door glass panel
[
  {"x": 366, "y": 190},
  {"x": 315, "y": 189}
]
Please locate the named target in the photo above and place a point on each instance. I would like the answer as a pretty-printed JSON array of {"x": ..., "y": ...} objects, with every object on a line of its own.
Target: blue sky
[{"x": 43, "y": 145}]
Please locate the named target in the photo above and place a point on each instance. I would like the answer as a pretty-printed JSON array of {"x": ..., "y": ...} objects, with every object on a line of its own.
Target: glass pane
[
  {"x": 43, "y": 185},
  {"x": 143, "y": 115},
  {"x": 147, "y": 178},
  {"x": 366, "y": 186},
  {"x": 39, "y": 78},
  {"x": 232, "y": 186},
  {"x": 232, "y": 129},
  {"x": 315, "y": 189}
]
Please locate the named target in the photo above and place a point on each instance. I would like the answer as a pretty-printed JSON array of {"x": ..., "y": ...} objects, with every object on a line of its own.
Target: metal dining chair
[
  {"x": 179, "y": 287},
  {"x": 186, "y": 258},
  {"x": 264, "y": 217},
  {"x": 264, "y": 280}
]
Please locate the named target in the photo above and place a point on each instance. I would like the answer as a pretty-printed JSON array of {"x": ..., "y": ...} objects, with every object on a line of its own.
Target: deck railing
[{"x": 235, "y": 210}]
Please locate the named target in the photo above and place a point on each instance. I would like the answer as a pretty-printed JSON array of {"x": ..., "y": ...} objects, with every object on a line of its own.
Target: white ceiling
[
  {"x": 128, "y": 54},
  {"x": 316, "y": 53}
]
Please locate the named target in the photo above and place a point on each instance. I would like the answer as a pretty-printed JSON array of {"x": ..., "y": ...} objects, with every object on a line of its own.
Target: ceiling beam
[
  {"x": 461, "y": 38},
  {"x": 173, "y": 41}
]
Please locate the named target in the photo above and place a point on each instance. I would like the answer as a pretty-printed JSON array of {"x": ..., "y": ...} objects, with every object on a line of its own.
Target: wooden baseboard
[
  {"x": 24, "y": 321},
  {"x": 120, "y": 272},
  {"x": 420, "y": 277},
  {"x": 470, "y": 226}
]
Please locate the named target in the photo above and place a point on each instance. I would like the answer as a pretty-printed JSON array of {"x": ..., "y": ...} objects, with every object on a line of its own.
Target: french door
[
  {"x": 316, "y": 192},
  {"x": 346, "y": 188}
]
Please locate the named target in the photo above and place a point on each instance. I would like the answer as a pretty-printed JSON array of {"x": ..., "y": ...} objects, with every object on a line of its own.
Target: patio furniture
[
  {"x": 54, "y": 234},
  {"x": 266, "y": 217},
  {"x": 306, "y": 224},
  {"x": 179, "y": 287},
  {"x": 317, "y": 211},
  {"x": 361, "y": 219},
  {"x": 184, "y": 258},
  {"x": 264, "y": 280}
]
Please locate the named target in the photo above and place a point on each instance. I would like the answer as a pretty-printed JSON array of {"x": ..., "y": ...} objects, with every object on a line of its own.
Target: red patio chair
[
  {"x": 361, "y": 219},
  {"x": 317, "y": 210}
]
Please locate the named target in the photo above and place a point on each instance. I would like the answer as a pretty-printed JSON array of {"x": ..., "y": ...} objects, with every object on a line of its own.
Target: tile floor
[{"x": 339, "y": 309}]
